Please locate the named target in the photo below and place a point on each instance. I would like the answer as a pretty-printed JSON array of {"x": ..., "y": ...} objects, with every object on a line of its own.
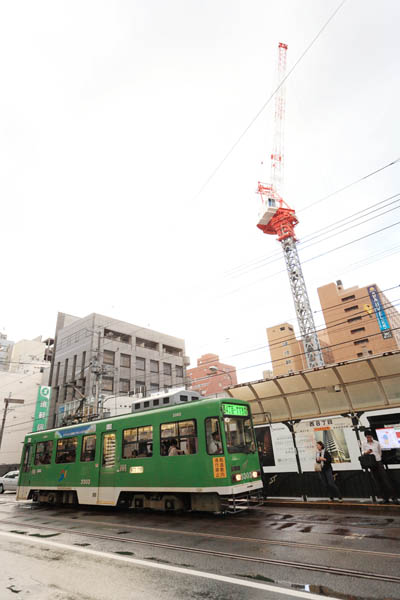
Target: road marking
[{"x": 163, "y": 567}]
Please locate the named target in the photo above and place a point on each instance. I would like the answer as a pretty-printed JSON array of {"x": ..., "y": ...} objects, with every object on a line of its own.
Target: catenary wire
[{"x": 266, "y": 103}]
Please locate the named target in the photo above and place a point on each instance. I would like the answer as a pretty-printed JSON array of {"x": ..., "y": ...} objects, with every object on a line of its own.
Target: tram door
[{"x": 106, "y": 493}]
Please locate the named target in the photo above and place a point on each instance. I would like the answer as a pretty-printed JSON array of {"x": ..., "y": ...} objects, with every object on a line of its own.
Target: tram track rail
[
  {"x": 231, "y": 538},
  {"x": 326, "y": 569}
]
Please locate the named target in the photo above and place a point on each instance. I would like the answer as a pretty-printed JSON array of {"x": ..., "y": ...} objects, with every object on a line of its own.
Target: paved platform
[{"x": 356, "y": 505}]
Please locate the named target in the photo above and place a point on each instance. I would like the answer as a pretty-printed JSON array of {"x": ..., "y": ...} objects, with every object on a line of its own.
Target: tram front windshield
[{"x": 239, "y": 435}]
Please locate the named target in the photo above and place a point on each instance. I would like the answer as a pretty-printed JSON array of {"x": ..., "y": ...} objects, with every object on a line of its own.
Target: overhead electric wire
[
  {"x": 303, "y": 243},
  {"x": 266, "y": 103},
  {"x": 226, "y": 372},
  {"x": 349, "y": 185}
]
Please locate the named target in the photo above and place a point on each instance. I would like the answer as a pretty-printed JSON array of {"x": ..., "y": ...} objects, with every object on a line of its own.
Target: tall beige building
[
  {"x": 359, "y": 321},
  {"x": 287, "y": 352}
]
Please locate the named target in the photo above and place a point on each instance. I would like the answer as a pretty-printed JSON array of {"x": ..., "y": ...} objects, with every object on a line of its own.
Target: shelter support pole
[
  {"x": 290, "y": 425},
  {"x": 355, "y": 420}
]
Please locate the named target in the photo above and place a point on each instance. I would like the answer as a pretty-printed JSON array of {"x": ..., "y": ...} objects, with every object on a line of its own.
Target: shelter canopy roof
[{"x": 370, "y": 383}]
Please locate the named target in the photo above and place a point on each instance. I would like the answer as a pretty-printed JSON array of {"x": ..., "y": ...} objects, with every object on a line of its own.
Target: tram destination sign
[{"x": 235, "y": 410}]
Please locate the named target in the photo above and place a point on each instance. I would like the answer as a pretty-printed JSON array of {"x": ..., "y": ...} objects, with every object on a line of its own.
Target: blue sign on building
[{"x": 379, "y": 311}]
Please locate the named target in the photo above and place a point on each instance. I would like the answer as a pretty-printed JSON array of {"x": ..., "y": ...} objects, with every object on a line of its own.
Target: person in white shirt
[
  {"x": 173, "y": 449},
  {"x": 371, "y": 446},
  {"x": 215, "y": 445}
]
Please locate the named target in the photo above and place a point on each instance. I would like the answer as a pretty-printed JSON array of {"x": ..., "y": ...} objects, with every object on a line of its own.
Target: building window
[
  {"x": 146, "y": 344},
  {"x": 282, "y": 328},
  {"x": 354, "y": 319},
  {"x": 146, "y": 404},
  {"x": 124, "y": 386},
  {"x": 363, "y": 341},
  {"x": 284, "y": 343},
  {"x": 125, "y": 361},
  {"x": 66, "y": 450},
  {"x": 107, "y": 384},
  {"x": 57, "y": 374},
  {"x": 165, "y": 401},
  {"x": 109, "y": 357},
  {"x": 172, "y": 350},
  {"x": 179, "y": 371},
  {"x": 154, "y": 368},
  {"x": 83, "y": 363},
  {"x": 154, "y": 387},
  {"x": 74, "y": 366},
  {"x": 167, "y": 368},
  {"x": 287, "y": 353},
  {"x": 346, "y": 298},
  {"x": 288, "y": 362},
  {"x": 65, "y": 370},
  {"x": 357, "y": 330},
  {"x": 140, "y": 363},
  {"x": 117, "y": 336},
  {"x": 140, "y": 387},
  {"x": 156, "y": 401},
  {"x": 349, "y": 308},
  {"x": 178, "y": 438}
]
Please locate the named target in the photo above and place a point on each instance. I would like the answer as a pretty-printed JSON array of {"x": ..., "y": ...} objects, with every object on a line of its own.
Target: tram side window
[
  {"x": 66, "y": 450},
  {"x": 43, "y": 453},
  {"x": 27, "y": 457},
  {"x": 137, "y": 442},
  {"x": 179, "y": 437},
  {"x": 213, "y": 436},
  {"x": 88, "y": 448}
]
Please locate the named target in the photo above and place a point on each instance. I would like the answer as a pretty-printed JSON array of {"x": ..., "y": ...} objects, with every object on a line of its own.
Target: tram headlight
[
  {"x": 237, "y": 477},
  {"x": 256, "y": 474}
]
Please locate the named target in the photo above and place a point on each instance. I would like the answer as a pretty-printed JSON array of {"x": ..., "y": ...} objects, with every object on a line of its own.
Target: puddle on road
[
  {"x": 83, "y": 544},
  {"x": 12, "y": 589},
  {"x": 122, "y": 532},
  {"x": 17, "y": 531},
  {"x": 125, "y": 553},
  {"x": 43, "y": 535}
]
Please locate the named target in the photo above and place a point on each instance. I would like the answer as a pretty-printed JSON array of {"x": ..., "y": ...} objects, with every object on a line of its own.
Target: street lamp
[
  {"x": 8, "y": 401},
  {"x": 216, "y": 370}
]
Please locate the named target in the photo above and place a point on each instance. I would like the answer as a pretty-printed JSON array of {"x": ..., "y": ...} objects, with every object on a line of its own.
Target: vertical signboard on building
[
  {"x": 42, "y": 408},
  {"x": 379, "y": 312}
]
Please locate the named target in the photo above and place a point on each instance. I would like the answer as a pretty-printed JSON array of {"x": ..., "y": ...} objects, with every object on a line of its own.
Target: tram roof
[{"x": 369, "y": 383}]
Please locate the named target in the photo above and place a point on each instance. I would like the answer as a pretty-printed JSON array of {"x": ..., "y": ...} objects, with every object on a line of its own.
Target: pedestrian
[
  {"x": 324, "y": 459},
  {"x": 373, "y": 447}
]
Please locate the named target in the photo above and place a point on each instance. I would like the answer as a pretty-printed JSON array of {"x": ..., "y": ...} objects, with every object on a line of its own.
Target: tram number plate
[
  {"x": 85, "y": 481},
  {"x": 219, "y": 467}
]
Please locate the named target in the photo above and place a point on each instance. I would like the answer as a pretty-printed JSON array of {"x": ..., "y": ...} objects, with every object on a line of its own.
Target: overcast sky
[{"x": 114, "y": 114}]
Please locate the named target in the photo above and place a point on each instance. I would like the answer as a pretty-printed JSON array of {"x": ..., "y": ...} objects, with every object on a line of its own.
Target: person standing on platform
[
  {"x": 326, "y": 474},
  {"x": 386, "y": 490}
]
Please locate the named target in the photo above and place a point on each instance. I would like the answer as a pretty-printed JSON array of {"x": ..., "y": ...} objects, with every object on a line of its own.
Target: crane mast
[{"x": 277, "y": 218}]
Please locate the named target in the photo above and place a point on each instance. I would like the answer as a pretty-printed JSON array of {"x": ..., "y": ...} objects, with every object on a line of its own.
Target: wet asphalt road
[{"x": 94, "y": 553}]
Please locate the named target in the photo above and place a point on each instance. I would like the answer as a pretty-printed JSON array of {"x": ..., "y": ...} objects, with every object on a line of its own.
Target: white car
[{"x": 9, "y": 482}]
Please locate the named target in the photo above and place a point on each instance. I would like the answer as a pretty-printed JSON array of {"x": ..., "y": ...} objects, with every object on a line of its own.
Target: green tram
[{"x": 198, "y": 456}]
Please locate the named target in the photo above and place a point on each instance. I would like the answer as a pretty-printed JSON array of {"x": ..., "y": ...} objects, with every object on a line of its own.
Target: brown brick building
[{"x": 211, "y": 376}]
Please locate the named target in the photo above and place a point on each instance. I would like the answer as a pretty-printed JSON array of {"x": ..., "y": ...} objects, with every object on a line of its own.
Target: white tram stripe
[{"x": 163, "y": 567}]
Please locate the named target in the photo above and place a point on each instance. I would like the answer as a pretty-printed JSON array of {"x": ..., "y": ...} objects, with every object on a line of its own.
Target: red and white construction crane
[{"x": 277, "y": 218}]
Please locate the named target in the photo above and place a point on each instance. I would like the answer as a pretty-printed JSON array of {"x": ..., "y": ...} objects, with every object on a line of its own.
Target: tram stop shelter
[{"x": 350, "y": 387}]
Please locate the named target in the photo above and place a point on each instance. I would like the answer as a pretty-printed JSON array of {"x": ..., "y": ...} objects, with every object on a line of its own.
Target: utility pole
[{"x": 8, "y": 401}]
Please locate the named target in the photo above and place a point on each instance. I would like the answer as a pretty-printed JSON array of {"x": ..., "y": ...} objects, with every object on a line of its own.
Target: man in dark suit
[{"x": 325, "y": 460}]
